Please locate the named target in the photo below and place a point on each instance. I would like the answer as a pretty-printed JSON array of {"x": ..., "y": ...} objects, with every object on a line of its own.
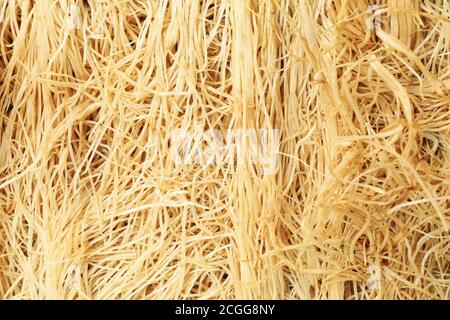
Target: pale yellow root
[{"x": 93, "y": 207}]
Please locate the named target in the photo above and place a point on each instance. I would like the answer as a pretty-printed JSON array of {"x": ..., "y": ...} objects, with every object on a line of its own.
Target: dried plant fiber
[{"x": 93, "y": 207}]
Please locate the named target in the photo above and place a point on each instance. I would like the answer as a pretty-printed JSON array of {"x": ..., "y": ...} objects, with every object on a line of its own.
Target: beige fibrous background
[{"x": 93, "y": 207}]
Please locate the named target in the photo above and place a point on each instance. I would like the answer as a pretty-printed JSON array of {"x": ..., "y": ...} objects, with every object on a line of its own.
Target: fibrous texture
[{"x": 92, "y": 205}]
